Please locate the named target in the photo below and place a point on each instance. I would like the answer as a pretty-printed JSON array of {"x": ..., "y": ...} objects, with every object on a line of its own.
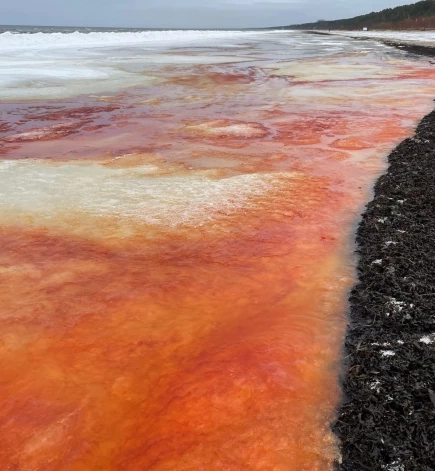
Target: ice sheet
[
  {"x": 60, "y": 65},
  {"x": 190, "y": 199},
  {"x": 420, "y": 36}
]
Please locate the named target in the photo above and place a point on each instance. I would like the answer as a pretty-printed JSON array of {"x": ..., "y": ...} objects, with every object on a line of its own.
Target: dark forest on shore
[{"x": 420, "y": 15}]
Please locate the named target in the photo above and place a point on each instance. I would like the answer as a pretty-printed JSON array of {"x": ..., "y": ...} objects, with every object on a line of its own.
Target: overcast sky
[{"x": 182, "y": 13}]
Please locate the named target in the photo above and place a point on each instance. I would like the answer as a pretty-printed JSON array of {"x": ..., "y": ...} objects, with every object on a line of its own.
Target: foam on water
[{"x": 156, "y": 39}]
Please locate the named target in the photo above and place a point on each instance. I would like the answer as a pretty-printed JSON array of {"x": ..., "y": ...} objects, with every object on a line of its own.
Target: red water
[{"x": 202, "y": 332}]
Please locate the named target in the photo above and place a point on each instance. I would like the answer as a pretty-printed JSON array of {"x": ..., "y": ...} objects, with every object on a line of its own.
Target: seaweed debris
[{"x": 387, "y": 418}]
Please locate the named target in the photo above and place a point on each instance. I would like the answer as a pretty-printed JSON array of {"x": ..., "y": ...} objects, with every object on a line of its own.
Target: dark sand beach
[{"x": 387, "y": 419}]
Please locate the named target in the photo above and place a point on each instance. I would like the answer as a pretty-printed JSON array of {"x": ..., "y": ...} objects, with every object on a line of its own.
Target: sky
[{"x": 183, "y": 13}]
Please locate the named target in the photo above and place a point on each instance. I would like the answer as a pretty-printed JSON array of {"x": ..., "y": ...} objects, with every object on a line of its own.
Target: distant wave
[{"x": 12, "y": 41}]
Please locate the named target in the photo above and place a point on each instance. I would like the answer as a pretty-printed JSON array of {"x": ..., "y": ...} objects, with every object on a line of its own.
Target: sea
[
  {"x": 25, "y": 29},
  {"x": 177, "y": 216}
]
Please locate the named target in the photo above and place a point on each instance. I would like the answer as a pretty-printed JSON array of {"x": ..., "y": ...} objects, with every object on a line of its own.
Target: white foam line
[{"x": 40, "y": 41}]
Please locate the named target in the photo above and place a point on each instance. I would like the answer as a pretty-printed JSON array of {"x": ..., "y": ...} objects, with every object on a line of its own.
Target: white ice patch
[
  {"x": 420, "y": 36},
  {"x": 394, "y": 466},
  {"x": 388, "y": 353},
  {"x": 222, "y": 129},
  {"x": 49, "y": 192},
  {"x": 428, "y": 339},
  {"x": 398, "y": 306},
  {"x": 63, "y": 76},
  {"x": 375, "y": 385}
]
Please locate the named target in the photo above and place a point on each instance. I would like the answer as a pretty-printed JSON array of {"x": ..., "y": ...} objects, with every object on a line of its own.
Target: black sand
[{"x": 387, "y": 419}]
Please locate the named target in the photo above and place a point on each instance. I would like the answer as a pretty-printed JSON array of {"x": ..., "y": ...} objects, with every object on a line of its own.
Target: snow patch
[
  {"x": 428, "y": 339},
  {"x": 394, "y": 466},
  {"x": 375, "y": 385},
  {"x": 398, "y": 306}
]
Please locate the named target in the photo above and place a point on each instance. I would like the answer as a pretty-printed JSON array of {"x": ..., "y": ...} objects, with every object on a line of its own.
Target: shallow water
[{"x": 176, "y": 242}]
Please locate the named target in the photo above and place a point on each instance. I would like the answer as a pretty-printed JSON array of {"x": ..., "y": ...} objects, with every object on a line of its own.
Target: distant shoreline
[
  {"x": 412, "y": 47},
  {"x": 103, "y": 29},
  {"x": 395, "y": 247}
]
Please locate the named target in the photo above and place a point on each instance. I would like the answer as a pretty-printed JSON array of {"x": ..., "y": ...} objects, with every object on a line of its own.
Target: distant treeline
[{"x": 419, "y": 15}]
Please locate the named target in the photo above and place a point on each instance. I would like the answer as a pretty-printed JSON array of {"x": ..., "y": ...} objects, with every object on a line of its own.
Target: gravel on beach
[{"x": 387, "y": 418}]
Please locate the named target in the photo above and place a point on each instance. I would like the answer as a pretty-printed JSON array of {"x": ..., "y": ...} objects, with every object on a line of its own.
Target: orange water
[{"x": 175, "y": 261}]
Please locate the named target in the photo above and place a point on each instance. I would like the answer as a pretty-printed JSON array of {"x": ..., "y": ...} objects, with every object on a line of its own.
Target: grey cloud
[{"x": 183, "y": 13}]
